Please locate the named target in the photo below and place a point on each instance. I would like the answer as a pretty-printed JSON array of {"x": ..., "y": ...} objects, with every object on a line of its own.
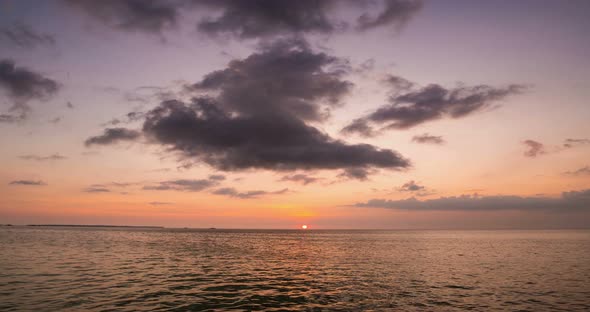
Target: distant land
[{"x": 99, "y": 225}]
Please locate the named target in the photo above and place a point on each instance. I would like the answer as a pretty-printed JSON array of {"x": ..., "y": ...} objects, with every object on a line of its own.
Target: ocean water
[{"x": 128, "y": 269}]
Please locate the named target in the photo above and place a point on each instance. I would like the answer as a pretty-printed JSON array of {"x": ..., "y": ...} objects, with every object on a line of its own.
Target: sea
[{"x": 161, "y": 269}]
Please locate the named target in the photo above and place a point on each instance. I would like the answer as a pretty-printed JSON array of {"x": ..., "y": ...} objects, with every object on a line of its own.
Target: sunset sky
[{"x": 276, "y": 113}]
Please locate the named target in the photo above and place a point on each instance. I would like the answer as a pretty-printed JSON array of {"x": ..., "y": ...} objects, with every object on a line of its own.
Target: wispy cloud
[
  {"x": 28, "y": 182},
  {"x": 42, "y": 158}
]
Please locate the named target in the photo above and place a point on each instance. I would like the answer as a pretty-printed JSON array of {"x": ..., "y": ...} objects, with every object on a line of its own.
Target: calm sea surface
[{"x": 116, "y": 269}]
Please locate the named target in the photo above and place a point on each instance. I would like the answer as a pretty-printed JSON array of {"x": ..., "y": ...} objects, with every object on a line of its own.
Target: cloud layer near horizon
[{"x": 569, "y": 201}]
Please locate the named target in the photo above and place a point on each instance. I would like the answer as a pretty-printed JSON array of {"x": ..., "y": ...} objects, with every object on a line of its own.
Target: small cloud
[
  {"x": 569, "y": 143},
  {"x": 300, "y": 178},
  {"x": 428, "y": 139},
  {"x": 157, "y": 203},
  {"x": 112, "y": 136},
  {"x": 55, "y": 120},
  {"x": 70, "y": 105},
  {"x": 410, "y": 187},
  {"x": 217, "y": 177},
  {"x": 42, "y": 158},
  {"x": 584, "y": 171},
  {"x": 361, "y": 174},
  {"x": 413, "y": 187},
  {"x": 232, "y": 192},
  {"x": 534, "y": 148},
  {"x": 25, "y": 36},
  {"x": 28, "y": 182},
  {"x": 182, "y": 185},
  {"x": 97, "y": 189}
]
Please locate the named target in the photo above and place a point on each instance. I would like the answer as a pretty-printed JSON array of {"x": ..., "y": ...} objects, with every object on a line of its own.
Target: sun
[{"x": 304, "y": 227}]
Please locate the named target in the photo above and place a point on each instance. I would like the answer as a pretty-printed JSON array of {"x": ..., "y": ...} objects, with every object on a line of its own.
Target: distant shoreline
[{"x": 98, "y": 225}]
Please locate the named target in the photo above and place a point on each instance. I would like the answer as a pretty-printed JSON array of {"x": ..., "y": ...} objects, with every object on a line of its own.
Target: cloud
[
  {"x": 393, "y": 12},
  {"x": 415, "y": 188},
  {"x": 42, "y": 158},
  {"x": 182, "y": 185},
  {"x": 127, "y": 119},
  {"x": 262, "y": 18},
  {"x": 6, "y": 118},
  {"x": 411, "y": 186},
  {"x": 253, "y": 18},
  {"x": 217, "y": 177},
  {"x": 97, "y": 189},
  {"x": 428, "y": 139},
  {"x": 22, "y": 85},
  {"x": 148, "y": 16},
  {"x": 569, "y": 201},
  {"x": 286, "y": 77},
  {"x": 534, "y": 148},
  {"x": 70, "y": 105},
  {"x": 300, "y": 178},
  {"x": 231, "y": 192},
  {"x": 24, "y": 36},
  {"x": 112, "y": 136},
  {"x": 55, "y": 120},
  {"x": 569, "y": 143},
  {"x": 254, "y": 113},
  {"x": 28, "y": 182},
  {"x": 157, "y": 203},
  {"x": 584, "y": 171},
  {"x": 410, "y": 106},
  {"x": 355, "y": 173}
]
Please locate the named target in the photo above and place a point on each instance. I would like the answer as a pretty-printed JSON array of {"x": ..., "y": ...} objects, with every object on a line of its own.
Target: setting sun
[{"x": 304, "y": 227}]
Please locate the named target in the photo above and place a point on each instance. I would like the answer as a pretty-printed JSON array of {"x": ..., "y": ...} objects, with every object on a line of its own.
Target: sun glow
[{"x": 304, "y": 227}]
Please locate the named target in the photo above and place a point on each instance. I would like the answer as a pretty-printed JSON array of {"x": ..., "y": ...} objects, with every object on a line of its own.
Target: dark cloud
[
  {"x": 300, "y": 178},
  {"x": 231, "y": 192},
  {"x": 252, "y": 18},
  {"x": 393, "y": 12},
  {"x": 256, "y": 18},
  {"x": 204, "y": 132},
  {"x": 569, "y": 201},
  {"x": 260, "y": 18},
  {"x": 112, "y": 136},
  {"x": 42, "y": 158},
  {"x": 28, "y": 182},
  {"x": 569, "y": 143},
  {"x": 22, "y": 85},
  {"x": 70, "y": 105},
  {"x": 356, "y": 173},
  {"x": 534, "y": 148},
  {"x": 410, "y": 106},
  {"x": 24, "y": 36},
  {"x": 584, "y": 171},
  {"x": 428, "y": 139},
  {"x": 286, "y": 77},
  {"x": 150, "y": 16},
  {"x": 256, "y": 118},
  {"x": 182, "y": 185}
]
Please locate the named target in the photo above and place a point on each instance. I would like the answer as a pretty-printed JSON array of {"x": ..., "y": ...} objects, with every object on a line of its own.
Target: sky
[{"x": 374, "y": 114}]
